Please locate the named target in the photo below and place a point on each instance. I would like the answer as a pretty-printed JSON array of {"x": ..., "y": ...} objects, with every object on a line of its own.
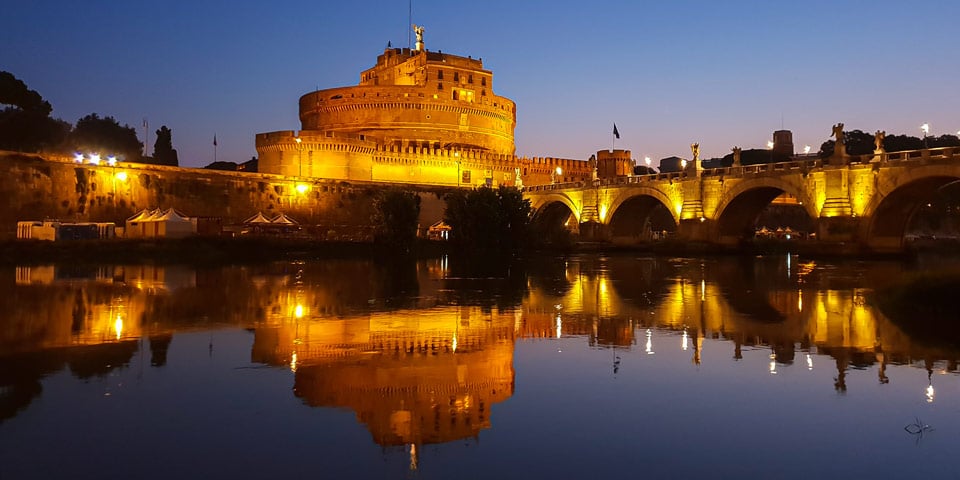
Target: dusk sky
[{"x": 669, "y": 73}]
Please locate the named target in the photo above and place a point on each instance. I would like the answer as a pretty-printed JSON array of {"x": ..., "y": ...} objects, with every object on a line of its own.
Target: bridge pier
[
  {"x": 699, "y": 230},
  {"x": 594, "y": 232}
]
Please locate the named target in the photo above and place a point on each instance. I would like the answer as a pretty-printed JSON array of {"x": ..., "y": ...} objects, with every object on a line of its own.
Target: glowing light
[
  {"x": 122, "y": 176},
  {"x": 800, "y": 301},
  {"x": 118, "y": 326},
  {"x": 925, "y": 128},
  {"x": 647, "y": 159},
  {"x": 603, "y": 213},
  {"x": 302, "y": 188},
  {"x": 111, "y": 160},
  {"x": 806, "y": 149},
  {"x": 559, "y": 326},
  {"x": 94, "y": 159},
  {"x": 454, "y": 343},
  {"x": 293, "y": 362},
  {"x": 297, "y": 139},
  {"x": 78, "y": 157},
  {"x": 809, "y": 362},
  {"x": 769, "y": 144},
  {"x": 649, "y": 345},
  {"x": 703, "y": 290},
  {"x": 683, "y": 343},
  {"x": 298, "y": 311},
  {"x": 930, "y": 393},
  {"x": 559, "y": 171},
  {"x": 703, "y": 219},
  {"x": 683, "y": 163},
  {"x": 773, "y": 364}
]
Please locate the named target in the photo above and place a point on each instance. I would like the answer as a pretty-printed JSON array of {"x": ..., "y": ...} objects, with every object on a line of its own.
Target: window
[
  {"x": 483, "y": 81},
  {"x": 455, "y": 96},
  {"x": 456, "y": 76},
  {"x": 439, "y": 74},
  {"x": 440, "y": 86},
  {"x": 470, "y": 78}
]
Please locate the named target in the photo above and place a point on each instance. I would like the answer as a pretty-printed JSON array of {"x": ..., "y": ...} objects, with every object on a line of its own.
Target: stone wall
[{"x": 55, "y": 187}]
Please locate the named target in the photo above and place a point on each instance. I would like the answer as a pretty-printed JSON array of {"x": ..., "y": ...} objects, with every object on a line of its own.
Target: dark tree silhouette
[
  {"x": 163, "y": 151},
  {"x": 396, "y": 214},
  {"x": 25, "y": 122},
  {"x": 107, "y": 137},
  {"x": 489, "y": 220}
]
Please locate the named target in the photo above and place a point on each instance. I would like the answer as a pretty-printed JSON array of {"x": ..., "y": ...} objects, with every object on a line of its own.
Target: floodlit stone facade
[{"x": 416, "y": 117}]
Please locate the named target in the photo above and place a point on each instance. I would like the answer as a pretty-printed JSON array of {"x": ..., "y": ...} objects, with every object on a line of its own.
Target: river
[{"x": 590, "y": 365}]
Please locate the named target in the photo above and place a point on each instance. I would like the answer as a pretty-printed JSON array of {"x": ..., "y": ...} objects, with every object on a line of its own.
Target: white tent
[
  {"x": 257, "y": 219},
  {"x": 135, "y": 225},
  {"x": 170, "y": 224},
  {"x": 283, "y": 219}
]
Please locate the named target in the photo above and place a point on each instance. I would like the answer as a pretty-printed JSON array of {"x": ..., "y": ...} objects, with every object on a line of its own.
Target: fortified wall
[
  {"x": 56, "y": 187},
  {"x": 416, "y": 116}
]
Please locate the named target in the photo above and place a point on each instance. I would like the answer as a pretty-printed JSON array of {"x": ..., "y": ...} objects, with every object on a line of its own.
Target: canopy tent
[
  {"x": 283, "y": 219},
  {"x": 257, "y": 219},
  {"x": 159, "y": 223}
]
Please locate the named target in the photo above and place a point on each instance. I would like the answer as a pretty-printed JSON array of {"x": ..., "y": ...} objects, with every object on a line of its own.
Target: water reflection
[{"x": 420, "y": 352}]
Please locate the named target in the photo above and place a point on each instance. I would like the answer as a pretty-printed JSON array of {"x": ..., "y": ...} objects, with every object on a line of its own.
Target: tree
[
  {"x": 489, "y": 220},
  {"x": 396, "y": 215},
  {"x": 163, "y": 151},
  {"x": 106, "y": 137},
  {"x": 14, "y": 92},
  {"x": 25, "y": 122}
]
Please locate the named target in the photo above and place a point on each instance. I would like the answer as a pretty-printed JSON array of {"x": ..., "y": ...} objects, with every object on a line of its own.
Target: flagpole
[{"x": 214, "y": 148}]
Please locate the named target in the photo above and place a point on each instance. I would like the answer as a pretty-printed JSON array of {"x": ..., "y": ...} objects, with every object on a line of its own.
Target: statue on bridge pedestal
[
  {"x": 839, "y": 148},
  {"x": 878, "y": 143},
  {"x": 695, "y": 149},
  {"x": 736, "y": 156},
  {"x": 878, "y": 140}
]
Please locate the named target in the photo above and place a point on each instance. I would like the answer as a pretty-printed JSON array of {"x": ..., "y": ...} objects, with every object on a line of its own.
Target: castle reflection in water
[{"x": 421, "y": 352}]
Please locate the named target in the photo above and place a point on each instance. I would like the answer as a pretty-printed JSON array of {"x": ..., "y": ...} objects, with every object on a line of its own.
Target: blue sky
[{"x": 669, "y": 73}]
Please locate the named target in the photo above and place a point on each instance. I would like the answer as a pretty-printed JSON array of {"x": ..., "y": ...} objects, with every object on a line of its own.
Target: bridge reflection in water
[{"x": 421, "y": 353}]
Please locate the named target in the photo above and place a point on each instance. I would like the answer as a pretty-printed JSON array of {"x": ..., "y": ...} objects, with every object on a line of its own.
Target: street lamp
[
  {"x": 299, "y": 155},
  {"x": 925, "y": 129},
  {"x": 559, "y": 175},
  {"x": 806, "y": 149}
]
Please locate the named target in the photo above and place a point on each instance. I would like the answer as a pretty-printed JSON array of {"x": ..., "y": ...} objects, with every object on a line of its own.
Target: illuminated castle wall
[{"x": 416, "y": 117}]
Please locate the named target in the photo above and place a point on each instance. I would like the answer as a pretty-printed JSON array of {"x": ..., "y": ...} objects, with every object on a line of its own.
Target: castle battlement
[{"x": 416, "y": 117}]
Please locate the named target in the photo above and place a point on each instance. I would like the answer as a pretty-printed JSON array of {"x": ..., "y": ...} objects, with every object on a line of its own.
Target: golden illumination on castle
[{"x": 418, "y": 117}]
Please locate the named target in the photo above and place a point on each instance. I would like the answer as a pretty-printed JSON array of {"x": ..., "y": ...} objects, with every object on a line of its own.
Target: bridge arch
[
  {"x": 640, "y": 211},
  {"x": 554, "y": 212},
  {"x": 890, "y": 210},
  {"x": 740, "y": 206}
]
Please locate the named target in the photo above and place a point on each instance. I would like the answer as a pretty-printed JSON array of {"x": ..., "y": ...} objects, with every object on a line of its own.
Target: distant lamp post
[
  {"x": 78, "y": 157},
  {"x": 303, "y": 188},
  {"x": 806, "y": 149},
  {"x": 112, "y": 160},
  {"x": 925, "y": 129},
  {"x": 299, "y": 155},
  {"x": 647, "y": 161},
  {"x": 559, "y": 175},
  {"x": 94, "y": 159},
  {"x": 770, "y": 145}
]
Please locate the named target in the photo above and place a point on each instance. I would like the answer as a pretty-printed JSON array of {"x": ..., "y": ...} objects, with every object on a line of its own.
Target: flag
[
  {"x": 616, "y": 133},
  {"x": 214, "y": 140}
]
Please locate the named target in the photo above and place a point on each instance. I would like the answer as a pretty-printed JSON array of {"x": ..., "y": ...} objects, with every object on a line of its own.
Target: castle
[{"x": 416, "y": 117}]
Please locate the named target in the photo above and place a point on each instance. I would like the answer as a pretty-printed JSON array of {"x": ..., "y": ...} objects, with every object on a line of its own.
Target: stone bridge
[{"x": 863, "y": 202}]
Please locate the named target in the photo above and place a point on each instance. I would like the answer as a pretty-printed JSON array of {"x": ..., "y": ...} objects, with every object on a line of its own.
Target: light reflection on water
[{"x": 563, "y": 368}]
